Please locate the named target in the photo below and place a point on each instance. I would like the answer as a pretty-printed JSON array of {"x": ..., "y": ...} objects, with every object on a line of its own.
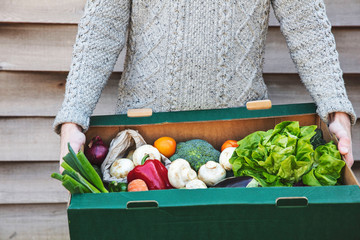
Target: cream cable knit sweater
[{"x": 186, "y": 55}]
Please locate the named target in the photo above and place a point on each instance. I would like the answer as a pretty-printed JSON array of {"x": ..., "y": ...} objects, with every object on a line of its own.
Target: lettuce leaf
[
  {"x": 284, "y": 156},
  {"x": 327, "y": 166}
]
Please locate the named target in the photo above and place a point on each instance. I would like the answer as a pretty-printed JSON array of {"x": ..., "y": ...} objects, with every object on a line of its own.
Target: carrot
[{"x": 137, "y": 185}]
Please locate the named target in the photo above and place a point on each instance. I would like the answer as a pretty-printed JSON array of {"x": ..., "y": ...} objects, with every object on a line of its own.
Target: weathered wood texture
[
  {"x": 34, "y": 222},
  {"x": 32, "y": 139},
  {"x": 41, "y": 47},
  {"x": 340, "y": 13},
  {"x": 36, "y": 39},
  {"x": 41, "y": 93},
  {"x": 42, "y": 11},
  {"x": 30, "y": 182},
  {"x": 287, "y": 89},
  {"x": 28, "y": 139}
]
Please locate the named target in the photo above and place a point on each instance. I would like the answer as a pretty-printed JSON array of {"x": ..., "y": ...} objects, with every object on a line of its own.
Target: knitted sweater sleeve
[
  {"x": 307, "y": 31},
  {"x": 99, "y": 41}
]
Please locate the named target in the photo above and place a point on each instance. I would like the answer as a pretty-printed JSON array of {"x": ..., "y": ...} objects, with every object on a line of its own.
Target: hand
[
  {"x": 340, "y": 125},
  {"x": 70, "y": 133}
]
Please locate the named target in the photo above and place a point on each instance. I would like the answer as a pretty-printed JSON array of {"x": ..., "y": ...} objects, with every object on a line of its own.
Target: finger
[
  {"x": 349, "y": 159},
  {"x": 344, "y": 145}
]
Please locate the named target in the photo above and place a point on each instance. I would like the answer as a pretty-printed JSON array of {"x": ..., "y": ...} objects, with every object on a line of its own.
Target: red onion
[{"x": 96, "y": 151}]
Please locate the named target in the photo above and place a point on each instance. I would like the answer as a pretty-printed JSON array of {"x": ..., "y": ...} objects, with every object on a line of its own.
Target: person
[{"x": 187, "y": 55}]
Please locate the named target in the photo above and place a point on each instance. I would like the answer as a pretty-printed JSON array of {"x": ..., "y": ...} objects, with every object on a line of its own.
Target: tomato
[
  {"x": 166, "y": 146},
  {"x": 229, "y": 143}
]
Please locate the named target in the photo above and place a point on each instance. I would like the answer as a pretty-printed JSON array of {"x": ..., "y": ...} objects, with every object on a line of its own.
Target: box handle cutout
[
  {"x": 291, "y": 202},
  {"x": 258, "y": 105},
  {"x": 141, "y": 112},
  {"x": 142, "y": 204}
]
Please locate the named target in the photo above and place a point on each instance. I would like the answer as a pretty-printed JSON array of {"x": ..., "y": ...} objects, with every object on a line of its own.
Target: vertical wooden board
[
  {"x": 41, "y": 11},
  {"x": 42, "y": 93},
  {"x": 30, "y": 182},
  {"x": 34, "y": 222},
  {"x": 28, "y": 139},
  {"x": 39, "y": 47}
]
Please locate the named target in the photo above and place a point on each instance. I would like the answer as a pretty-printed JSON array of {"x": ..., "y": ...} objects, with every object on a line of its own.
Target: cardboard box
[{"x": 223, "y": 213}]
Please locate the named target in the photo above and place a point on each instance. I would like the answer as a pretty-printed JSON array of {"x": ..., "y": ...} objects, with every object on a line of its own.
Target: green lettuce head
[{"x": 281, "y": 156}]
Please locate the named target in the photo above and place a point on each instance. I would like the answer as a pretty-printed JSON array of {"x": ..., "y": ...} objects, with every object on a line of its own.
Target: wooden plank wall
[{"x": 36, "y": 38}]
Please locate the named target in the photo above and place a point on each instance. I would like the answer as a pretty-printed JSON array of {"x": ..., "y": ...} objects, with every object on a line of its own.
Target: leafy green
[
  {"x": 78, "y": 175},
  {"x": 327, "y": 166},
  {"x": 70, "y": 183},
  {"x": 281, "y": 156},
  {"x": 317, "y": 139}
]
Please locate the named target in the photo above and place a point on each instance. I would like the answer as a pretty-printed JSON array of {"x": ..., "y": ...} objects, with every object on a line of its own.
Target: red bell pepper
[{"x": 153, "y": 172}]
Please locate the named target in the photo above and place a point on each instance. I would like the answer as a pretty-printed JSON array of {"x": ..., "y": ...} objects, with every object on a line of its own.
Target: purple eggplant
[
  {"x": 234, "y": 182},
  {"x": 300, "y": 184}
]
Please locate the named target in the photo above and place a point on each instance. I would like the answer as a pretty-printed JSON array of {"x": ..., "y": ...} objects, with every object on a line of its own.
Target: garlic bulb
[{"x": 121, "y": 167}]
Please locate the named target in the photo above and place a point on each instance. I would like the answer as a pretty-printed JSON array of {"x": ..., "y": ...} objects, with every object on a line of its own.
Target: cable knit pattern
[
  {"x": 186, "y": 55},
  {"x": 223, "y": 51},
  {"x": 100, "y": 38}
]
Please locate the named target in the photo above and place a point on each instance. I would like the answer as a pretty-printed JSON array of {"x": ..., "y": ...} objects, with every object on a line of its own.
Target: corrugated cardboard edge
[
  {"x": 69, "y": 200},
  {"x": 349, "y": 176}
]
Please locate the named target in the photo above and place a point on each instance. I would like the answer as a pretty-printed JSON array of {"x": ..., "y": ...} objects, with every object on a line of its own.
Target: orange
[
  {"x": 229, "y": 143},
  {"x": 166, "y": 146}
]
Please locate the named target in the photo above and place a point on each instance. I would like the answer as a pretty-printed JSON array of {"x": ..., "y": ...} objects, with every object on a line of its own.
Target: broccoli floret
[{"x": 197, "y": 152}]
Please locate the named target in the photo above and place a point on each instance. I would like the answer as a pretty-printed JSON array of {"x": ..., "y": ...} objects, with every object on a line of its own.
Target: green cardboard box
[{"x": 217, "y": 213}]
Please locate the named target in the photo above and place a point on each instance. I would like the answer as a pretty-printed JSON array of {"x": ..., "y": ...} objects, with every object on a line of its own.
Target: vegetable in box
[{"x": 284, "y": 156}]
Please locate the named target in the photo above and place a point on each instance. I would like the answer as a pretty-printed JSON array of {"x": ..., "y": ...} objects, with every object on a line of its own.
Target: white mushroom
[
  {"x": 211, "y": 173},
  {"x": 180, "y": 173},
  {"x": 195, "y": 184},
  {"x": 225, "y": 156},
  {"x": 121, "y": 167},
  {"x": 144, "y": 150}
]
